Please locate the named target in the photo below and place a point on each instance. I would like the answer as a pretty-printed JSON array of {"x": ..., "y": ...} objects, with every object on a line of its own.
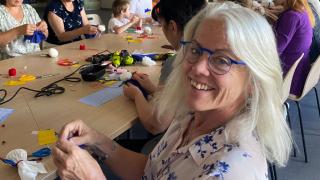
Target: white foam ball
[
  {"x": 146, "y": 61},
  {"x": 102, "y": 28},
  {"x": 125, "y": 76},
  {"x": 147, "y": 30},
  {"x": 53, "y": 52}
]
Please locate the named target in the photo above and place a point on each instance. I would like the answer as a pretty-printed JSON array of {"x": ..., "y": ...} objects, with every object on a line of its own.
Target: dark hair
[
  {"x": 3, "y": 2},
  {"x": 118, "y": 6},
  {"x": 180, "y": 11}
]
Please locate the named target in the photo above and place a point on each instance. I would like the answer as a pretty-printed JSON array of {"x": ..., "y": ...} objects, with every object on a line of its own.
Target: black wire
[
  {"x": 48, "y": 90},
  {"x": 102, "y": 52}
]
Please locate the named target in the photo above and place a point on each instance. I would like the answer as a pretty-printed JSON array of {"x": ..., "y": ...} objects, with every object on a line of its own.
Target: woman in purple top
[{"x": 294, "y": 36}]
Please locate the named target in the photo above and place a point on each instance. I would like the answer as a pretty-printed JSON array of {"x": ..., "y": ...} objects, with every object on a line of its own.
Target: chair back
[
  {"x": 288, "y": 79},
  {"x": 311, "y": 81},
  {"x": 94, "y": 19}
]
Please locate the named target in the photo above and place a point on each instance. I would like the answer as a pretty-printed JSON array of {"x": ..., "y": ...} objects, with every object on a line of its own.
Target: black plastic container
[{"x": 92, "y": 72}]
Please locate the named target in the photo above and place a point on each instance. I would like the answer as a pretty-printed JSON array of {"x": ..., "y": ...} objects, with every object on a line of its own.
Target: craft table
[{"x": 32, "y": 114}]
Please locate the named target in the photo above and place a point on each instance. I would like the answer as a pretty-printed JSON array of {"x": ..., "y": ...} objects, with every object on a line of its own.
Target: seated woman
[
  {"x": 17, "y": 21},
  {"x": 225, "y": 95},
  {"x": 294, "y": 37},
  {"x": 67, "y": 21}
]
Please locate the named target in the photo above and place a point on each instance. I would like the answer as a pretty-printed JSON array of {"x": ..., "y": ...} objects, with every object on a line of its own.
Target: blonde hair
[
  {"x": 301, "y": 5},
  {"x": 252, "y": 40}
]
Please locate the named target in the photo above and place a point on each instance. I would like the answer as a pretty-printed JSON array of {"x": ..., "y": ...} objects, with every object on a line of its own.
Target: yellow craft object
[
  {"x": 47, "y": 137},
  {"x": 135, "y": 41},
  {"x": 129, "y": 37},
  {"x": 109, "y": 83},
  {"x": 76, "y": 65},
  {"x": 14, "y": 83},
  {"x": 27, "y": 78}
]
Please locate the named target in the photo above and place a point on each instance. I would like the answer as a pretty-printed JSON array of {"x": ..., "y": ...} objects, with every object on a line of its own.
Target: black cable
[
  {"x": 14, "y": 95},
  {"x": 48, "y": 90}
]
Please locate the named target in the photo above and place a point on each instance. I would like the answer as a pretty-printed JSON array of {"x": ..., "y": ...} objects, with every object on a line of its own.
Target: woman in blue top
[{"x": 67, "y": 21}]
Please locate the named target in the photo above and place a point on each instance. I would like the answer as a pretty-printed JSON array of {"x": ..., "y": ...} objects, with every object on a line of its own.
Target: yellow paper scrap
[
  {"x": 27, "y": 78},
  {"x": 76, "y": 65},
  {"x": 46, "y": 137},
  {"x": 135, "y": 41},
  {"x": 14, "y": 83},
  {"x": 129, "y": 37}
]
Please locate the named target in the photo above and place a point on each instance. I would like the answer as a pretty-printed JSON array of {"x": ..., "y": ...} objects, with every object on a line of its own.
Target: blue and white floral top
[
  {"x": 206, "y": 157},
  {"x": 71, "y": 20}
]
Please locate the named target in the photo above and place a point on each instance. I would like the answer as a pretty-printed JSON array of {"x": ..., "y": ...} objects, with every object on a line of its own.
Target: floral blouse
[
  {"x": 19, "y": 46},
  {"x": 206, "y": 157}
]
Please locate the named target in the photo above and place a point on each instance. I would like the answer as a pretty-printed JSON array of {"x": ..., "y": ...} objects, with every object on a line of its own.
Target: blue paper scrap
[
  {"x": 5, "y": 113},
  {"x": 103, "y": 96}
]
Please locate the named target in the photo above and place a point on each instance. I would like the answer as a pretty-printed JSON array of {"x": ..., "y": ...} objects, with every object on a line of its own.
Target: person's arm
[
  {"x": 124, "y": 163},
  {"x": 84, "y": 17},
  {"x": 57, "y": 26},
  {"x": 41, "y": 25},
  {"x": 73, "y": 161},
  {"x": 148, "y": 118},
  {"x": 285, "y": 29},
  {"x": 145, "y": 111},
  {"x": 12, "y": 34},
  {"x": 121, "y": 29}
]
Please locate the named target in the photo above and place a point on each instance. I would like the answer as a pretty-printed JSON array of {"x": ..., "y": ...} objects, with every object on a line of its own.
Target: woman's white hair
[{"x": 252, "y": 40}]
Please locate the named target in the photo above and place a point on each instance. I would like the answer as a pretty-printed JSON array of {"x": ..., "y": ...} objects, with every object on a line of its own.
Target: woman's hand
[
  {"x": 79, "y": 133},
  {"x": 73, "y": 162},
  {"x": 27, "y": 29},
  {"x": 145, "y": 82},
  {"x": 88, "y": 29},
  {"x": 131, "y": 91},
  {"x": 42, "y": 26}
]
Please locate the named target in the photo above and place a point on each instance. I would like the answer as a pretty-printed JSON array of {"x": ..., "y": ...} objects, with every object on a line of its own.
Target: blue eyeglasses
[{"x": 218, "y": 62}]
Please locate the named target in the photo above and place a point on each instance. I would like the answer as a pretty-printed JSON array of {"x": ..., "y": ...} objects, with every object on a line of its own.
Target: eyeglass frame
[{"x": 210, "y": 52}]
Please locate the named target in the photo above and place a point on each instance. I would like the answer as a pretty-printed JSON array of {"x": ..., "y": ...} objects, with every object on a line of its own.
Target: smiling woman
[
  {"x": 242, "y": 97},
  {"x": 225, "y": 96}
]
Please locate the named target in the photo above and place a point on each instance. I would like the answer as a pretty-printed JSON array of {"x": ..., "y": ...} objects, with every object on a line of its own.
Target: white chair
[
  {"x": 311, "y": 82},
  {"x": 94, "y": 19}
]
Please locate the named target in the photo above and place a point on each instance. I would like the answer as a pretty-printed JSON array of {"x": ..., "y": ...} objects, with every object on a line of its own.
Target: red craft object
[
  {"x": 12, "y": 72},
  {"x": 82, "y": 47},
  {"x": 65, "y": 62},
  {"x": 139, "y": 28}
]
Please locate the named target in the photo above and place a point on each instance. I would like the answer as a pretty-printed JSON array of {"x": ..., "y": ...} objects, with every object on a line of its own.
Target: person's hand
[
  {"x": 134, "y": 19},
  {"x": 27, "y": 29},
  {"x": 88, "y": 29},
  {"x": 276, "y": 10},
  {"x": 145, "y": 82},
  {"x": 131, "y": 91},
  {"x": 79, "y": 133},
  {"x": 73, "y": 162},
  {"x": 42, "y": 26}
]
